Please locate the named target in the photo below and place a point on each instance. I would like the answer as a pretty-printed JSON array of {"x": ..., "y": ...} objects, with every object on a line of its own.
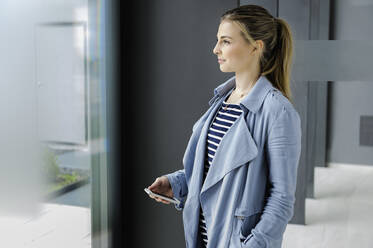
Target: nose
[{"x": 216, "y": 49}]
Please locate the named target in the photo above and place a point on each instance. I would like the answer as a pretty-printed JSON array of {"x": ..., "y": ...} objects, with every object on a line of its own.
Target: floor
[
  {"x": 56, "y": 226},
  {"x": 62, "y": 222},
  {"x": 341, "y": 214}
]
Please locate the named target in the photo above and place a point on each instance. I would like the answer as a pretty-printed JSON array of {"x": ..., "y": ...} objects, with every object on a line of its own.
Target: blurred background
[{"x": 96, "y": 103}]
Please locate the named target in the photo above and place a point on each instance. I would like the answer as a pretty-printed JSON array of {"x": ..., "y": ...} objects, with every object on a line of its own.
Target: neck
[{"x": 246, "y": 80}]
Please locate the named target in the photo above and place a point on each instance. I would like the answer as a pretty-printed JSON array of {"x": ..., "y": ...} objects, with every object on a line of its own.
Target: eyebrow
[{"x": 224, "y": 36}]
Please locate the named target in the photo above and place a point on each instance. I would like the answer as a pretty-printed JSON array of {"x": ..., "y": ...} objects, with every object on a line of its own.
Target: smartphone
[{"x": 173, "y": 200}]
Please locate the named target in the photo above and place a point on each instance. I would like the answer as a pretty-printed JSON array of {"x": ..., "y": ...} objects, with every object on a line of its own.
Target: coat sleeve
[
  {"x": 179, "y": 187},
  {"x": 283, "y": 152}
]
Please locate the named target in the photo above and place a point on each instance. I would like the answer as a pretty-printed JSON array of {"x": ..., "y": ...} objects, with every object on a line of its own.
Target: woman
[{"x": 237, "y": 188}]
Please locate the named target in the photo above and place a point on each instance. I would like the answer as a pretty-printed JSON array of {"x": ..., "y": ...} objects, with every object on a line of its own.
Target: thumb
[{"x": 154, "y": 184}]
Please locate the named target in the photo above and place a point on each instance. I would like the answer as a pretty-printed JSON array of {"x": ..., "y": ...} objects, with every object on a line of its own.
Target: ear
[{"x": 258, "y": 46}]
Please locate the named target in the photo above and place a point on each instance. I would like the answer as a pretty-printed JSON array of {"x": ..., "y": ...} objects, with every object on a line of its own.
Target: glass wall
[{"x": 53, "y": 112}]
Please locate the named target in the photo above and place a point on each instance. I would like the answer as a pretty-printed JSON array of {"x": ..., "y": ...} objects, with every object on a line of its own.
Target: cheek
[{"x": 235, "y": 54}]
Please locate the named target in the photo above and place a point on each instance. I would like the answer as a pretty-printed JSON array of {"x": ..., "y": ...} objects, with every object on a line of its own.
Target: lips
[{"x": 221, "y": 60}]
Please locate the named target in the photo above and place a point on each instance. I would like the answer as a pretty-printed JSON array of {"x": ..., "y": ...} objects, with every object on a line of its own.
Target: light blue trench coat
[{"x": 249, "y": 190}]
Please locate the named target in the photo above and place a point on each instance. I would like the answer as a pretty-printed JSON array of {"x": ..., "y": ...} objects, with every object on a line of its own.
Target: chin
[
  {"x": 225, "y": 67},
  {"x": 225, "y": 70}
]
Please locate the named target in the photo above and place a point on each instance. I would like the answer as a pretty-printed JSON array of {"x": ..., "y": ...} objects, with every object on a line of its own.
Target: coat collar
[{"x": 253, "y": 99}]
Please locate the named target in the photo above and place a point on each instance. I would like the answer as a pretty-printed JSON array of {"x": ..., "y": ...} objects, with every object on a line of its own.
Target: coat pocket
[{"x": 244, "y": 221}]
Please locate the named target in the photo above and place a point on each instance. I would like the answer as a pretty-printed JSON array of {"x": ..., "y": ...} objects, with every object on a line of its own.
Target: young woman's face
[{"x": 235, "y": 53}]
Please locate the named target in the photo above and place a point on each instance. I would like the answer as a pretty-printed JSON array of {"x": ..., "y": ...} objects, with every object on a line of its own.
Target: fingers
[
  {"x": 154, "y": 184},
  {"x": 163, "y": 201},
  {"x": 159, "y": 199}
]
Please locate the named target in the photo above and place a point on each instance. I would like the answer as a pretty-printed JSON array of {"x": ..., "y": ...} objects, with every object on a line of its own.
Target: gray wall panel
[
  {"x": 317, "y": 98},
  {"x": 349, "y": 99},
  {"x": 297, "y": 14}
]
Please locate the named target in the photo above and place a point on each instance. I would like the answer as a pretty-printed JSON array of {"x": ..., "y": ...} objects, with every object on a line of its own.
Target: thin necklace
[{"x": 242, "y": 95}]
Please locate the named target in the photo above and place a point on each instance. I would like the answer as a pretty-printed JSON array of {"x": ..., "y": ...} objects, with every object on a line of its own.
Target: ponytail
[{"x": 278, "y": 67}]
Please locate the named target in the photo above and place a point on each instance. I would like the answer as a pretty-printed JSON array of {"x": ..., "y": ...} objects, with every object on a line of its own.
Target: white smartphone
[{"x": 173, "y": 200}]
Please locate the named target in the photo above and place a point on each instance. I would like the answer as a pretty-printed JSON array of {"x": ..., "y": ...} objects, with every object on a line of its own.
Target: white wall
[{"x": 19, "y": 47}]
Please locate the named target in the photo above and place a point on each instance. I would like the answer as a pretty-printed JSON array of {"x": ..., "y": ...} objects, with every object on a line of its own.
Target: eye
[{"x": 225, "y": 42}]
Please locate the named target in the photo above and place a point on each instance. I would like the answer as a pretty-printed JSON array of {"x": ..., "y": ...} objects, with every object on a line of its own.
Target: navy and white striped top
[{"x": 222, "y": 122}]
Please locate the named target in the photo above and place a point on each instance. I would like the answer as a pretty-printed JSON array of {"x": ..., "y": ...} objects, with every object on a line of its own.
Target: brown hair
[{"x": 256, "y": 23}]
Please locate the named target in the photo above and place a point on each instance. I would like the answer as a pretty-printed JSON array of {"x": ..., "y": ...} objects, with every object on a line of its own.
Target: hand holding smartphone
[{"x": 173, "y": 200}]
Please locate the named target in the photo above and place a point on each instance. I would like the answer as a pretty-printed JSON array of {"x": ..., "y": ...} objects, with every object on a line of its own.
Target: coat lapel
[
  {"x": 235, "y": 149},
  {"x": 200, "y": 131}
]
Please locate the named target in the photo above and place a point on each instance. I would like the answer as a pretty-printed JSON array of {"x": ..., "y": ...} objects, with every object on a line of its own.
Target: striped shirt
[{"x": 220, "y": 125}]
